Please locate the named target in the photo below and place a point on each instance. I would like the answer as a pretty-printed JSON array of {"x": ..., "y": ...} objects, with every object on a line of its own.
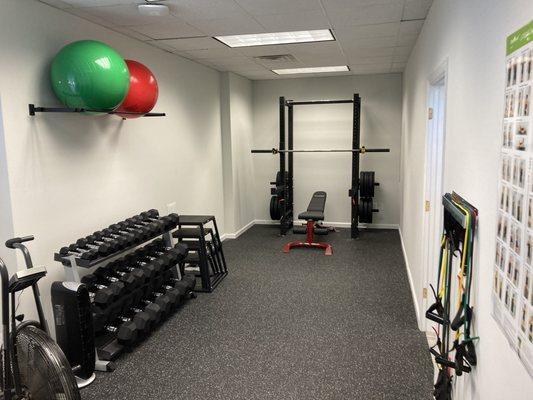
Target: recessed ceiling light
[
  {"x": 265, "y": 39},
  {"x": 311, "y": 70}
]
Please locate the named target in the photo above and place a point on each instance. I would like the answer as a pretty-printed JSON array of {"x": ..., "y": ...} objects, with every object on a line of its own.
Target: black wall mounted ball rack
[{"x": 32, "y": 109}]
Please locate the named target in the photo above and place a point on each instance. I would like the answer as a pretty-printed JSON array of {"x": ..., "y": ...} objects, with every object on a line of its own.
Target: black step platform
[{"x": 207, "y": 252}]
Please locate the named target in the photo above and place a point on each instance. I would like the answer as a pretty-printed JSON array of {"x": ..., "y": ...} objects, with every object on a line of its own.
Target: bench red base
[{"x": 309, "y": 242}]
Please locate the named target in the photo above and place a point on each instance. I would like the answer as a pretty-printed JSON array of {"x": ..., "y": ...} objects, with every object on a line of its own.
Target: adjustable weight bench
[{"x": 314, "y": 213}]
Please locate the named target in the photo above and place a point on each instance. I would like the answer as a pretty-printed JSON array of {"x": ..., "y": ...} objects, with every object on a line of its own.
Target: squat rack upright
[{"x": 286, "y": 159}]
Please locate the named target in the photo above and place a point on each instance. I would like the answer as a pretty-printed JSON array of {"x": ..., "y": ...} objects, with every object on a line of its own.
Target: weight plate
[
  {"x": 365, "y": 210},
  {"x": 275, "y": 209},
  {"x": 366, "y": 183},
  {"x": 279, "y": 180}
]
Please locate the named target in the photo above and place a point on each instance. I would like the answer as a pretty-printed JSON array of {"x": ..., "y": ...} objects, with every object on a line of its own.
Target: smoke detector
[{"x": 152, "y": 8}]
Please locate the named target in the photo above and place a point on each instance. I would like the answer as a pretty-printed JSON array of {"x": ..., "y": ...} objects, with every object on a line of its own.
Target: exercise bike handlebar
[
  {"x": 12, "y": 243},
  {"x": 16, "y": 243}
]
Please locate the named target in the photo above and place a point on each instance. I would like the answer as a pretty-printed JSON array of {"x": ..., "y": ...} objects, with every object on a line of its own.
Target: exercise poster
[{"x": 513, "y": 267}]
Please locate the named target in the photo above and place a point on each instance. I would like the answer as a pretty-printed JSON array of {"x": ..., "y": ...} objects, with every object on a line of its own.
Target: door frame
[{"x": 437, "y": 91}]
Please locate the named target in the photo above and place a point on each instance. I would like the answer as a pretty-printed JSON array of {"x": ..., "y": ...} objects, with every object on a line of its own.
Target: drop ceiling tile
[
  {"x": 194, "y": 43},
  {"x": 97, "y": 3},
  {"x": 82, "y": 13},
  {"x": 228, "y": 26},
  {"x": 56, "y": 3},
  {"x": 365, "y": 15},
  {"x": 131, "y": 33},
  {"x": 272, "y": 64},
  {"x": 349, "y": 33},
  {"x": 356, "y": 61},
  {"x": 265, "y": 7},
  {"x": 402, "y": 50},
  {"x": 212, "y": 53},
  {"x": 407, "y": 40},
  {"x": 411, "y": 27},
  {"x": 256, "y": 51},
  {"x": 161, "y": 45},
  {"x": 123, "y": 15},
  {"x": 379, "y": 68},
  {"x": 331, "y": 4},
  {"x": 248, "y": 68},
  {"x": 397, "y": 69},
  {"x": 416, "y": 9},
  {"x": 318, "y": 49},
  {"x": 304, "y": 20},
  {"x": 191, "y": 10},
  {"x": 376, "y": 42},
  {"x": 259, "y": 75},
  {"x": 400, "y": 58},
  {"x": 174, "y": 28},
  {"x": 236, "y": 61},
  {"x": 369, "y": 52}
]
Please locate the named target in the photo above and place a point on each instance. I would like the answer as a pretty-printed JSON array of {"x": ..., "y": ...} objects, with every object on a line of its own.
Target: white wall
[
  {"x": 237, "y": 133},
  {"x": 330, "y": 126},
  {"x": 72, "y": 174},
  {"x": 6, "y": 220},
  {"x": 471, "y": 36}
]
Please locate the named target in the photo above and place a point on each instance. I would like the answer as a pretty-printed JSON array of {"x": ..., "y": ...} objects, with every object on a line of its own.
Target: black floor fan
[{"x": 33, "y": 365}]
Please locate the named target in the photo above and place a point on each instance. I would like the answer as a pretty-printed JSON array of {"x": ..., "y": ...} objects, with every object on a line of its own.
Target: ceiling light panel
[
  {"x": 311, "y": 70},
  {"x": 265, "y": 39}
]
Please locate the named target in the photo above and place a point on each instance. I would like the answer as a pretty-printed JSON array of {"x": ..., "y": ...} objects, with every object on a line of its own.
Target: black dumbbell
[
  {"x": 119, "y": 242},
  {"x": 126, "y": 332},
  {"x": 163, "y": 301},
  {"x": 142, "y": 320},
  {"x": 152, "y": 228},
  {"x": 137, "y": 223},
  {"x": 170, "y": 221},
  {"x": 103, "y": 249},
  {"x": 92, "y": 282},
  {"x": 144, "y": 255},
  {"x": 152, "y": 309},
  {"x": 100, "y": 295},
  {"x": 99, "y": 239},
  {"x": 127, "y": 238},
  {"x": 141, "y": 275},
  {"x": 167, "y": 259},
  {"x": 136, "y": 235},
  {"x": 185, "y": 285},
  {"x": 121, "y": 269},
  {"x": 151, "y": 268},
  {"x": 109, "y": 273},
  {"x": 88, "y": 255}
]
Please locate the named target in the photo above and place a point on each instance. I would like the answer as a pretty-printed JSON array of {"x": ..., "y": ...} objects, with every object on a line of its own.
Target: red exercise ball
[{"x": 143, "y": 92}]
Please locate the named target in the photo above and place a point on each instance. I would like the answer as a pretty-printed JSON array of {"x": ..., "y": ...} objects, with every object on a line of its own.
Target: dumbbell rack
[{"x": 72, "y": 265}]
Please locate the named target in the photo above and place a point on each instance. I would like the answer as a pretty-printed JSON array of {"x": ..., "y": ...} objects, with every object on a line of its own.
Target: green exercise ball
[{"x": 90, "y": 74}]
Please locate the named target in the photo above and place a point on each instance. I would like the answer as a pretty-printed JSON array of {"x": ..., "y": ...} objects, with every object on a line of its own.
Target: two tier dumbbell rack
[{"x": 73, "y": 263}]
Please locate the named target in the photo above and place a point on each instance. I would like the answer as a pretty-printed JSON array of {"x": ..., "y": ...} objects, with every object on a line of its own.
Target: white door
[{"x": 436, "y": 111}]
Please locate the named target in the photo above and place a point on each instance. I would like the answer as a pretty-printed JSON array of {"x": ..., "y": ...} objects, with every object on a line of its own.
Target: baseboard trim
[
  {"x": 235, "y": 235},
  {"x": 410, "y": 278}
]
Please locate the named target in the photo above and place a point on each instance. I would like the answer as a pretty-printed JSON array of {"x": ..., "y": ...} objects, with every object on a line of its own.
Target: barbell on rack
[{"x": 361, "y": 150}]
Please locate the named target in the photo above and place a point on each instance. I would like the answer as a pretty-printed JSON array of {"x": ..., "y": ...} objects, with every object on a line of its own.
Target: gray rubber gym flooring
[{"x": 287, "y": 326}]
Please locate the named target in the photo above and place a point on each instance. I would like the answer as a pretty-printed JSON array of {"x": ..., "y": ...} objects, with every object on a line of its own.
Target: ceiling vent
[{"x": 277, "y": 58}]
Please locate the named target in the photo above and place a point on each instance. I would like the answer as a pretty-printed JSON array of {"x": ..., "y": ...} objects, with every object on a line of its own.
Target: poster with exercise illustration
[{"x": 513, "y": 262}]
